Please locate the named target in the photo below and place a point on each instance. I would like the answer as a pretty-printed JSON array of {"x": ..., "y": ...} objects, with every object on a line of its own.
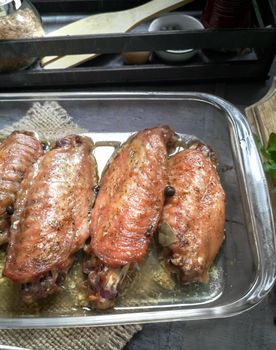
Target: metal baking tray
[{"x": 244, "y": 270}]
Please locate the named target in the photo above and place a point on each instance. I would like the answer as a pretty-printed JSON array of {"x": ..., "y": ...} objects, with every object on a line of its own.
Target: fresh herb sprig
[{"x": 269, "y": 155}]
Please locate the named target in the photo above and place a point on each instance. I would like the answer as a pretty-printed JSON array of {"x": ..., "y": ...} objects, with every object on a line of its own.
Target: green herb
[{"x": 269, "y": 155}]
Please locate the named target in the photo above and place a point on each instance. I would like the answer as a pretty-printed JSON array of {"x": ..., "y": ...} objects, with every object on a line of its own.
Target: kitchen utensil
[
  {"x": 175, "y": 21},
  {"x": 113, "y": 22}
]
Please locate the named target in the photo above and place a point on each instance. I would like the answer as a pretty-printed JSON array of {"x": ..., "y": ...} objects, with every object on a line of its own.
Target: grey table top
[{"x": 254, "y": 329}]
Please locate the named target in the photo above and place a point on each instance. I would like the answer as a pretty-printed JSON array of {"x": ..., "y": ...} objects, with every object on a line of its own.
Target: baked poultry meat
[
  {"x": 51, "y": 218},
  {"x": 17, "y": 153},
  {"x": 126, "y": 212},
  {"x": 192, "y": 224}
]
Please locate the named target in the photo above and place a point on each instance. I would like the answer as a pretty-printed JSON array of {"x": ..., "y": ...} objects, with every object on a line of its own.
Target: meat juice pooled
[
  {"x": 192, "y": 224},
  {"x": 51, "y": 218},
  {"x": 17, "y": 154},
  {"x": 126, "y": 212}
]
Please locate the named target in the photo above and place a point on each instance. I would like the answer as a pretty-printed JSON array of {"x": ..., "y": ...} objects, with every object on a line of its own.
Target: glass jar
[
  {"x": 227, "y": 14},
  {"x": 18, "y": 20}
]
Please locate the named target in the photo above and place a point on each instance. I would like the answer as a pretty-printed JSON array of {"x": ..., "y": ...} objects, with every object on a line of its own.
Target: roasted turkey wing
[
  {"x": 17, "y": 153},
  {"x": 127, "y": 210},
  {"x": 194, "y": 216},
  {"x": 51, "y": 218}
]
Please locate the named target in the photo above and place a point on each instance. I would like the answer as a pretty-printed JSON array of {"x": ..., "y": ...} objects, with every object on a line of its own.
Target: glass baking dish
[{"x": 244, "y": 270}]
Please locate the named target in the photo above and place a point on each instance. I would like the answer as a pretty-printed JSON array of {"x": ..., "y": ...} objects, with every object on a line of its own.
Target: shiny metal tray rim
[{"x": 255, "y": 198}]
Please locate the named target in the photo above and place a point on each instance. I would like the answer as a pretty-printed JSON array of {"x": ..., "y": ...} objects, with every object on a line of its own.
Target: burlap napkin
[{"x": 50, "y": 121}]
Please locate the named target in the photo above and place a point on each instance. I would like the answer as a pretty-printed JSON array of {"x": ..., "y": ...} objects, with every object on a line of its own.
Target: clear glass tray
[{"x": 244, "y": 269}]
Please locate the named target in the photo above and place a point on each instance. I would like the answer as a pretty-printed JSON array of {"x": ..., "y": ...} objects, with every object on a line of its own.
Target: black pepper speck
[
  {"x": 9, "y": 210},
  {"x": 169, "y": 191}
]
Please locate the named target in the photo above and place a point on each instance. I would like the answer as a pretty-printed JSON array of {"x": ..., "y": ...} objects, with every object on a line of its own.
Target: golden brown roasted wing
[
  {"x": 194, "y": 214},
  {"x": 17, "y": 153},
  {"x": 127, "y": 210},
  {"x": 51, "y": 218}
]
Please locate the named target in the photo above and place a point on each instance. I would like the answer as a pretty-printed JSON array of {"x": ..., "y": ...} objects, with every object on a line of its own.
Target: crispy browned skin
[
  {"x": 17, "y": 153},
  {"x": 127, "y": 209},
  {"x": 129, "y": 204},
  {"x": 195, "y": 213},
  {"x": 51, "y": 219}
]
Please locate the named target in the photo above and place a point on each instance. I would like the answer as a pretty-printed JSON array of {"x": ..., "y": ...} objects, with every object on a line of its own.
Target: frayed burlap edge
[
  {"x": 107, "y": 338},
  {"x": 51, "y": 122}
]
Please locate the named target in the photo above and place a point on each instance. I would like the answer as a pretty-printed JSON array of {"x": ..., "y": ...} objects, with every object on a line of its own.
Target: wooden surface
[{"x": 262, "y": 114}]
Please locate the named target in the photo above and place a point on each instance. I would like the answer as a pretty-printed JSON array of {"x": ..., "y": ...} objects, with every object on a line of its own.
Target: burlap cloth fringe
[
  {"x": 51, "y": 122},
  {"x": 105, "y": 338}
]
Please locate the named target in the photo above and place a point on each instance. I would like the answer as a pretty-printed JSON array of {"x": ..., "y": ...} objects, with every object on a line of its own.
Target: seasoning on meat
[
  {"x": 51, "y": 218},
  {"x": 193, "y": 219},
  {"x": 126, "y": 212},
  {"x": 17, "y": 153}
]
